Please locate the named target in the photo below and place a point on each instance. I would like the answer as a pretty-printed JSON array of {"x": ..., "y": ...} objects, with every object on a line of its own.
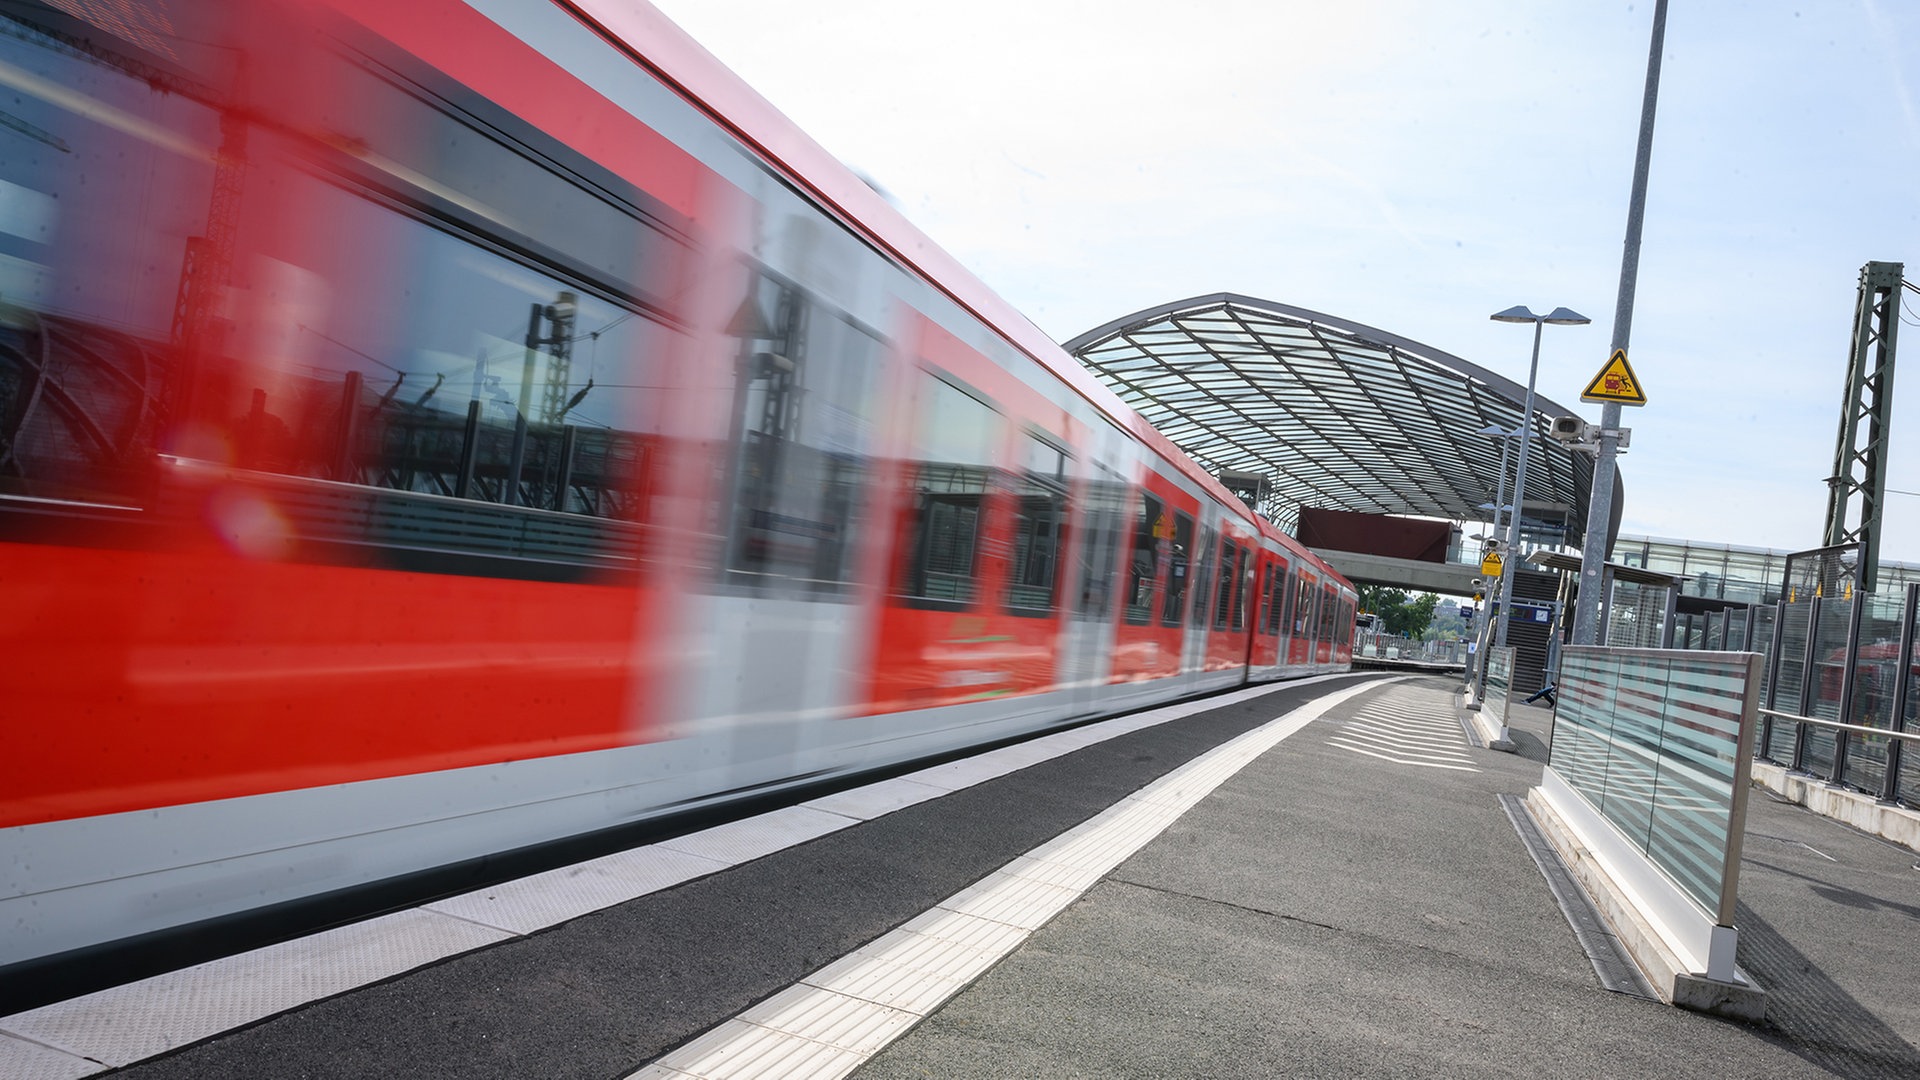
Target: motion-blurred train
[{"x": 437, "y": 428}]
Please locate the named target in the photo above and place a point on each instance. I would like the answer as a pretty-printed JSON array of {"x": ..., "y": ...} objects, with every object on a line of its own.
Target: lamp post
[{"x": 1520, "y": 314}]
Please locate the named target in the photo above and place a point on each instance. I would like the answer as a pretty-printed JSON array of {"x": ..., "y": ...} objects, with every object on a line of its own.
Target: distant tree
[
  {"x": 1378, "y": 599},
  {"x": 1413, "y": 616},
  {"x": 1403, "y": 617}
]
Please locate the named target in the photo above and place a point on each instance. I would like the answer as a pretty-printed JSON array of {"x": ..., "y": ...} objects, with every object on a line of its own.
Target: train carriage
[{"x": 435, "y": 429}]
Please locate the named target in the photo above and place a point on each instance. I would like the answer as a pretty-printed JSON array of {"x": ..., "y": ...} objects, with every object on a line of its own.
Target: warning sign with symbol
[
  {"x": 1490, "y": 563},
  {"x": 1616, "y": 383}
]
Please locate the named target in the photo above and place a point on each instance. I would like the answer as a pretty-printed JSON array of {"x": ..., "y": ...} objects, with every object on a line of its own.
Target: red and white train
[{"x": 432, "y": 429}]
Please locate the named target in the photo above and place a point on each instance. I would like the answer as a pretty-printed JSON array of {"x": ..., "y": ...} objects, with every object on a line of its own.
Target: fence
[
  {"x": 1650, "y": 763},
  {"x": 1393, "y": 647},
  {"x": 1840, "y": 693}
]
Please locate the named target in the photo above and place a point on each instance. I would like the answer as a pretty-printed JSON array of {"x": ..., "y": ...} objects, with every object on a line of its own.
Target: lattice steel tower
[{"x": 1860, "y": 455}]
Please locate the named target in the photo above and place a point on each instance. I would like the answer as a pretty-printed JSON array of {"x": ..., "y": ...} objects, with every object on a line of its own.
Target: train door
[
  {"x": 1095, "y": 586},
  {"x": 1329, "y": 615},
  {"x": 1300, "y": 648},
  {"x": 1269, "y": 642},
  {"x": 1206, "y": 563}
]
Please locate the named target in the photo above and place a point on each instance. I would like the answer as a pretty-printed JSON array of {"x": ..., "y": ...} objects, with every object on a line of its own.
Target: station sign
[{"x": 1531, "y": 613}]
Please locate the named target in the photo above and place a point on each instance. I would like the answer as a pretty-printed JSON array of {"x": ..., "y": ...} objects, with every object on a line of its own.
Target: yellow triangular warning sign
[{"x": 1616, "y": 383}]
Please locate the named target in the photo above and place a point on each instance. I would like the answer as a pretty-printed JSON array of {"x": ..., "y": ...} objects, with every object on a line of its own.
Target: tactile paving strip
[{"x": 835, "y": 1019}]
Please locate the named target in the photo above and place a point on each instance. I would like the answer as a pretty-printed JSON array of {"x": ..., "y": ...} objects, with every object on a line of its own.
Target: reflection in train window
[
  {"x": 1177, "y": 566},
  {"x": 1276, "y": 595},
  {"x": 410, "y": 359},
  {"x": 1040, "y": 508},
  {"x": 1104, "y": 526},
  {"x": 956, "y": 435},
  {"x": 1242, "y": 576},
  {"x": 1229, "y": 575},
  {"x": 803, "y": 404},
  {"x": 1204, "y": 560},
  {"x": 93, "y": 216},
  {"x": 1144, "y": 570}
]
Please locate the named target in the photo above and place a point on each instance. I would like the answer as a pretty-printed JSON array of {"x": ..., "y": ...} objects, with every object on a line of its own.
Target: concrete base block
[
  {"x": 1864, "y": 812},
  {"x": 1494, "y": 735},
  {"x": 1669, "y": 976},
  {"x": 1740, "y": 1001}
]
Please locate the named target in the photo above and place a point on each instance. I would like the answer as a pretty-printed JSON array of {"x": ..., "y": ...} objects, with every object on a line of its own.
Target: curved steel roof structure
[{"x": 1336, "y": 414}]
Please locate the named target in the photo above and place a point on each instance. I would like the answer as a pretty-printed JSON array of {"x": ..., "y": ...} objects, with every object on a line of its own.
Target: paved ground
[
  {"x": 1354, "y": 903},
  {"x": 1327, "y": 913}
]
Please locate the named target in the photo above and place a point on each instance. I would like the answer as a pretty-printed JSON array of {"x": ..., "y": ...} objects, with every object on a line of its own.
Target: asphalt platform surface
[{"x": 1347, "y": 905}]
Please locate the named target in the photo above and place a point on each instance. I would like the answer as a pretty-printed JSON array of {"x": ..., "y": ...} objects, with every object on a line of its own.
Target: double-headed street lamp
[{"x": 1520, "y": 314}]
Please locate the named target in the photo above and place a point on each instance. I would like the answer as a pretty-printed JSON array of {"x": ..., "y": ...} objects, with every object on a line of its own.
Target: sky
[{"x": 1415, "y": 167}]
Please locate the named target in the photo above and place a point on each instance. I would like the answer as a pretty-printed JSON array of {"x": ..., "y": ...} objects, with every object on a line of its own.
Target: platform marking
[
  {"x": 1405, "y": 728},
  {"x": 129, "y": 1023},
  {"x": 831, "y": 1022}
]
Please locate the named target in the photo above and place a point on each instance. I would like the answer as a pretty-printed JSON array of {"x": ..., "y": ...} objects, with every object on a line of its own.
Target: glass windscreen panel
[{"x": 1651, "y": 740}]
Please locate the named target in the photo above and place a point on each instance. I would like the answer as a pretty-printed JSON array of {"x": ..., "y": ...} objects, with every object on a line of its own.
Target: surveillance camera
[{"x": 1477, "y": 582}]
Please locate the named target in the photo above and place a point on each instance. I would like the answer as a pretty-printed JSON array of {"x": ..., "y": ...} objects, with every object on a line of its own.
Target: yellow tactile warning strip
[{"x": 829, "y": 1023}]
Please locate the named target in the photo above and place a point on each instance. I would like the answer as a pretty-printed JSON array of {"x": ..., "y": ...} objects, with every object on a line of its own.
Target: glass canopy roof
[{"x": 1336, "y": 415}]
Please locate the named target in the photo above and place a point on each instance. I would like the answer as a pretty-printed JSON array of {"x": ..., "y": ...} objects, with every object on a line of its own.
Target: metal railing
[
  {"x": 1840, "y": 693},
  {"x": 1378, "y": 646}
]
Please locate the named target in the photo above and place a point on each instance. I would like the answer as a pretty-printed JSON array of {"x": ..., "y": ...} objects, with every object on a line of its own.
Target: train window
[
  {"x": 92, "y": 214},
  {"x": 1270, "y": 603},
  {"x": 401, "y": 127},
  {"x": 1040, "y": 509},
  {"x": 1104, "y": 524},
  {"x": 803, "y": 404},
  {"x": 1242, "y": 580},
  {"x": 1302, "y": 604},
  {"x": 1262, "y": 596},
  {"x": 1205, "y": 558},
  {"x": 410, "y": 340},
  {"x": 1144, "y": 570},
  {"x": 1276, "y": 595},
  {"x": 1229, "y": 575},
  {"x": 1177, "y": 569},
  {"x": 956, "y": 437},
  {"x": 388, "y": 353}
]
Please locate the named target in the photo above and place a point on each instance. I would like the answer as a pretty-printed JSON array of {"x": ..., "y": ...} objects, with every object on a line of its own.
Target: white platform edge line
[
  {"x": 1118, "y": 820},
  {"x": 1418, "y": 749},
  {"x": 1400, "y": 761}
]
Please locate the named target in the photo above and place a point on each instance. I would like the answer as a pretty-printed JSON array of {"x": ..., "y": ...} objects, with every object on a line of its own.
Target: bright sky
[{"x": 1416, "y": 167}]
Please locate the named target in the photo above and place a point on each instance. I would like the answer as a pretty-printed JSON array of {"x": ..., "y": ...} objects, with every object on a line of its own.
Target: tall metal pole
[
  {"x": 1593, "y": 550},
  {"x": 1519, "y": 497},
  {"x": 1483, "y": 616}
]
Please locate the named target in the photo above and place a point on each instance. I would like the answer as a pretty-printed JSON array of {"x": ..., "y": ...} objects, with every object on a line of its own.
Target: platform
[{"x": 1342, "y": 895}]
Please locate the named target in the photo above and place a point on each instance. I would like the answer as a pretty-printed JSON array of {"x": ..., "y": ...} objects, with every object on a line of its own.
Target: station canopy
[{"x": 1337, "y": 415}]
